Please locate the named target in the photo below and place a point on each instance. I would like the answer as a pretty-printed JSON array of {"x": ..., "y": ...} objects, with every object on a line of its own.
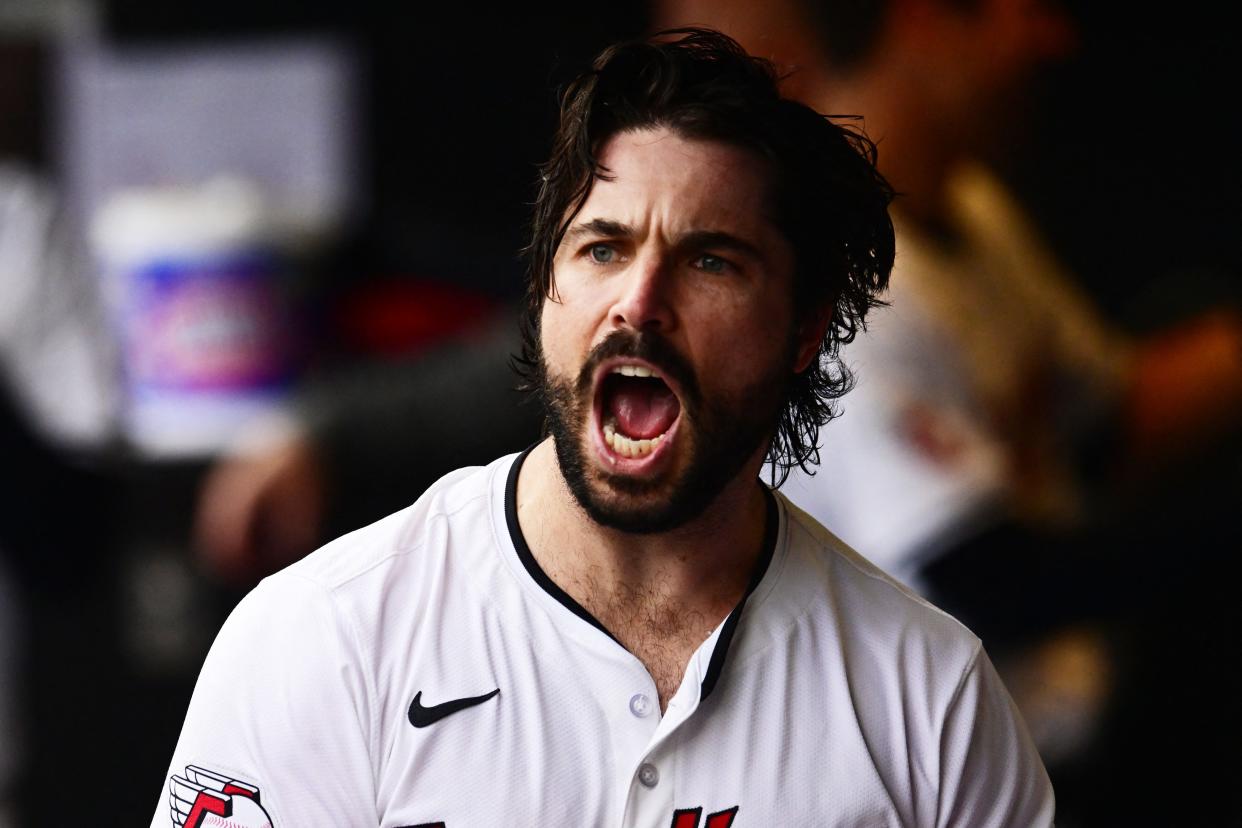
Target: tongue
[{"x": 643, "y": 408}]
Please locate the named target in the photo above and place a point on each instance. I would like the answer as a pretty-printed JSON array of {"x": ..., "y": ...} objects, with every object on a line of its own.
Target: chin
[{"x": 658, "y": 501}]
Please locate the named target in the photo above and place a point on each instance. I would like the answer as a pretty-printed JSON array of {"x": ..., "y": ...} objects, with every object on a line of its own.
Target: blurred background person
[{"x": 990, "y": 386}]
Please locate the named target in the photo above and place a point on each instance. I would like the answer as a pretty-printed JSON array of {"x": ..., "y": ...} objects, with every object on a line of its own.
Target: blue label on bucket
[{"x": 215, "y": 325}]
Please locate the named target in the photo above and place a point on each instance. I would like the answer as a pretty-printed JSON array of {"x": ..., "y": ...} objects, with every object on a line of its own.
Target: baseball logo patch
[{"x": 203, "y": 799}]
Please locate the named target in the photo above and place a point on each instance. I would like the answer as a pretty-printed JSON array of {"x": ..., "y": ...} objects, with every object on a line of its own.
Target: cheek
[
  {"x": 774, "y": 362},
  {"x": 564, "y": 337},
  {"x": 746, "y": 353},
  {"x": 577, "y": 313},
  {"x": 551, "y": 334},
  {"x": 765, "y": 329}
]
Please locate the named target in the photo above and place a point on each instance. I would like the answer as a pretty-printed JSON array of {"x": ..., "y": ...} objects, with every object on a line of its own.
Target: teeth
[
  {"x": 626, "y": 447},
  {"x": 634, "y": 371}
]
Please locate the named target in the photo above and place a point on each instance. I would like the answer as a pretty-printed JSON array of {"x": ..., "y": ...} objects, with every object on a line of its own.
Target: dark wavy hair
[{"x": 829, "y": 200}]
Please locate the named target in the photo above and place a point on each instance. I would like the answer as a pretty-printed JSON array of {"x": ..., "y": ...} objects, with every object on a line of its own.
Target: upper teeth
[{"x": 634, "y": 371}]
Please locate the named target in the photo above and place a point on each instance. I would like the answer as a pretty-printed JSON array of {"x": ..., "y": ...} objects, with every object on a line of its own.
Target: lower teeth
[{"x": 627, "y": 447}]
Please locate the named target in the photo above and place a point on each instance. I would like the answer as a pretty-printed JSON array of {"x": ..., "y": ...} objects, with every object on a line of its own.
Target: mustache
[{"x": 647, "y": 346}]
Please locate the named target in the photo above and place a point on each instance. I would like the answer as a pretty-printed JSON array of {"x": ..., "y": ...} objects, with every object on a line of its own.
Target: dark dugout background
[{"x": 1132, "y": 169}]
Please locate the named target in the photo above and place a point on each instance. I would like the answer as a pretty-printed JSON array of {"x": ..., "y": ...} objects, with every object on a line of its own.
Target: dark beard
[{"x": 722, "y": 435}]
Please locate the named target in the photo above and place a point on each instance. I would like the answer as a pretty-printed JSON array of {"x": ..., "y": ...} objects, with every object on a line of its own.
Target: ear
[{"x": 810, "y": 334}]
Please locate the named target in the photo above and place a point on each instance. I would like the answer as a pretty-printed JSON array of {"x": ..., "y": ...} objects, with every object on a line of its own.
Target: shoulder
[
  {"x": 302, "y": 659},
  {"x": 874, "y": 632},
  {"x": 323, "y": 608},
  {"x": 328, "y": 610},
  {"x": 931, "y": 694},
  {"x": 429, "y": 565},
  {"x": 871, "y": 604},
  {"x": 453, "y": 513}
]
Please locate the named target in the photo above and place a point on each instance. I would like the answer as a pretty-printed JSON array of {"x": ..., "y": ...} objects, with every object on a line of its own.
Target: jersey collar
[{"x": 715, "y": 665}]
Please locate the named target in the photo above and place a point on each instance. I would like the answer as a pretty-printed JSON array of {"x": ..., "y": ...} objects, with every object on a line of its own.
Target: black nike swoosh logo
[{"x": 422, "y": 716}]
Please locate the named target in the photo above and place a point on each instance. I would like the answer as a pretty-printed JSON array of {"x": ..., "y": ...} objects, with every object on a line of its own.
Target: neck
[
  {"x": 713, "y": 554},
  {"x": 660, "y": 595}
]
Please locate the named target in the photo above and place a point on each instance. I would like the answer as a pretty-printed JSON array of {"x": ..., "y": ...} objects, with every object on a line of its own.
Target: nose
[{"x": 644, "y": 300}]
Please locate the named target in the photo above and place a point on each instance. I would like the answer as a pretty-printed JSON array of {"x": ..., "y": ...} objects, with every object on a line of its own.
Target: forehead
[{"x": 657, "y": 175}]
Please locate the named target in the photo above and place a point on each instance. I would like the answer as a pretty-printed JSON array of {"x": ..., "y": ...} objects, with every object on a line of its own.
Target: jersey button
[
  {"x": 648, "y": 775},
  {"x": 640, "y": 705}
]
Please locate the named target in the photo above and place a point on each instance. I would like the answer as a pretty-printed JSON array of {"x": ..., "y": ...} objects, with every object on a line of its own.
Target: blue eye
[
  {"x": 602, "y": 254},
  {"x": 711, "y": 264}
]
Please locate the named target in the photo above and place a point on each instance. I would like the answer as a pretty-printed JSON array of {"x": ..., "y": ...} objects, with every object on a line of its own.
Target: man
[{"x": 622, "y": 625}]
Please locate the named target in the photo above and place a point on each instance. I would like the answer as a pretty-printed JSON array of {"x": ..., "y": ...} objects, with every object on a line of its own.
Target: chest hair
[{"x": 661, "y": 633}]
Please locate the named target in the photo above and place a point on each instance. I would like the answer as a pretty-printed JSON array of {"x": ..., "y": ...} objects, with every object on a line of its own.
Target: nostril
[{"x": 643, "y": 308}]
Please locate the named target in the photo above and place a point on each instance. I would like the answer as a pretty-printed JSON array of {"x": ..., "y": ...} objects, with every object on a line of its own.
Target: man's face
[{"x": 670, "y": 340}]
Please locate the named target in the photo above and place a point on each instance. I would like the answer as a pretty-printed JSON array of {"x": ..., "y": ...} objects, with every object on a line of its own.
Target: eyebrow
[
  {"x": 712, "y": 239},
  {"x": 694, "y": 240},
  {"x": 598, "y": 228}
]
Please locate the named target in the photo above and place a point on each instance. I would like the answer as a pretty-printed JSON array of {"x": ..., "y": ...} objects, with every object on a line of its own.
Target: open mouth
[{"x": 637, "y": 410}]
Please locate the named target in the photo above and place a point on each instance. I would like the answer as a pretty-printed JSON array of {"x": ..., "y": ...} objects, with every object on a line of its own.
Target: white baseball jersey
[{"x": 424, "y": 671}]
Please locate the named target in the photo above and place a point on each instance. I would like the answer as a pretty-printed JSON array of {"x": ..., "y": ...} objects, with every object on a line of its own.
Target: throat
[{"x": 640, "y": 409}]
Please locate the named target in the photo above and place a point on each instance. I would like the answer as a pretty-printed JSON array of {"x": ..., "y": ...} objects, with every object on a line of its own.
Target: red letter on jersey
[{"x": 689, "y": 818}]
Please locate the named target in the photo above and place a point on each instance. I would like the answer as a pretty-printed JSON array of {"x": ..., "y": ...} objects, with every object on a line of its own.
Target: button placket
[{"x": 653, "y": 788}]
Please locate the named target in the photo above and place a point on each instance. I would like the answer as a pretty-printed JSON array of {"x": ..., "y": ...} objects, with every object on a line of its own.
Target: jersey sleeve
[
  {"x": 991, "y": 774},
  {"x": 279, "y": 728}
]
